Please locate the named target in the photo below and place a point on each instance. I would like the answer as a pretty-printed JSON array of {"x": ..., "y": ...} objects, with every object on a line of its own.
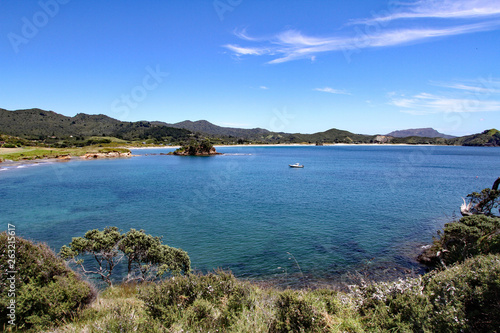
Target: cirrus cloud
[
  {"x": 293, "y": 44},
  {"x": 439, "y": 9},
  {"x": 333, "y": 91},
  {"x": 473, "y": 96}
]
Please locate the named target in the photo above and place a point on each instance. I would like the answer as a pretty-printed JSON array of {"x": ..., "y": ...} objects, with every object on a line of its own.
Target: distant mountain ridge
[
  {"x": 207, "y": 127},
  {"x": 37, "y": 124},
  {"x": 421, "y": 132}
]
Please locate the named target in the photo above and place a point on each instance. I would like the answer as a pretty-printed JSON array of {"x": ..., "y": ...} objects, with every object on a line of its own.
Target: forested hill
[
  {"x": 38, "y": 124},
  {"x": 204, "y": 126},
  {"x": 489, "y": 138},
  {"x": 333, "y": 136}
]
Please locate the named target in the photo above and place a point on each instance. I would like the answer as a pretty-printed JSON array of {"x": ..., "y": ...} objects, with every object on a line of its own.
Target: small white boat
[{"x": 296, "y": 165}]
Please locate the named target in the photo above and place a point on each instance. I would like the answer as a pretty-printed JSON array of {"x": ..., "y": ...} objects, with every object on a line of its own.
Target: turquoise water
[{"x": 350, "y": 208}]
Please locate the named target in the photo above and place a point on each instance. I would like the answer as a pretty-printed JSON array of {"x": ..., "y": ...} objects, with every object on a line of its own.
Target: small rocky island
[{"x": 204, "y": 148}]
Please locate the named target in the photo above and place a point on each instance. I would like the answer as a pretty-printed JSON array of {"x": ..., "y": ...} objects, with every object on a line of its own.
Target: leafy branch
[{"x": 147, "y": 257}]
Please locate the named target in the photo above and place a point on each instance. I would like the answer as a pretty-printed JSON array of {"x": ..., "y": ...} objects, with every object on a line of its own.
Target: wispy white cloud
[
  {"x": 238, "y": 50},
  {"x": 425, "y": 103},
  {"x": 479, "y": 86},
  {"x": 443, "y": 9},
  {"x": 332, "y": 91},
  {"x": 293, "y": 44},
  {"x": 263, "y": 87}
]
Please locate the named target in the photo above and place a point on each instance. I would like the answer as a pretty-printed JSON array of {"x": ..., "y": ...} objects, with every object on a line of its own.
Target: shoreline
[
  {"x": 9, "y": 164},
  {"x": 300, "y": 145}
]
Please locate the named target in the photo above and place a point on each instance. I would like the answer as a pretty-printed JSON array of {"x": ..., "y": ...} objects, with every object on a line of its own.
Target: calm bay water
[{"x": 351, "y": 208}]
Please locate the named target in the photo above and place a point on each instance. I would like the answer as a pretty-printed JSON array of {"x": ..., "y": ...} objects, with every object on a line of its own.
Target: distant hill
[
  {"x": 332, "y": 136},
  {"x": 490, "y": 138},
  {"x": 38, "y": 124},
  {"x": 258, "y": 134},
  {"x": 206, "y": 127},
  {"x": 421, "y": 132}
]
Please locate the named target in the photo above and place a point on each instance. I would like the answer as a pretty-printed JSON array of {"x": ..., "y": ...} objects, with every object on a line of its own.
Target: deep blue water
[{"x": 350, "y": 208}]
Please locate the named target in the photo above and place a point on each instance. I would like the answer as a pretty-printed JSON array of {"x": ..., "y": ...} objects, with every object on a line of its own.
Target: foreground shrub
[
  {"x": 461, "y": 298},
  {"x": 197, "y": 301},
  {"x": 295, "y": 312},
  {"x": 467, "y": 294},
  {"x": 46, "y": 290},
  {"x": 470, "y": 236}
]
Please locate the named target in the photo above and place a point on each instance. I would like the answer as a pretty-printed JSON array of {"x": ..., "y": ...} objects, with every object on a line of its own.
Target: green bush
[
  {"x": 461, "y": 298},
  {"x": 295, "y": 312},
  {"x": 466, "y": 296},
  {"x": 46, "y": 290},
  {"x": 212, "y": 300},
  {"x": 470, "y": 236}
]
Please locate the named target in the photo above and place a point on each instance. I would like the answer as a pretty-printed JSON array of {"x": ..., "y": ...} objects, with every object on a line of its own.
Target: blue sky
[{"x": 295, "y": 66}]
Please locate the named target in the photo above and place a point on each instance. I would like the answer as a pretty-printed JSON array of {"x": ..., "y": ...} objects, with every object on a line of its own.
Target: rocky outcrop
[
  {"x": 382, "y": 139},
  {"x": 111, "y": 154}
]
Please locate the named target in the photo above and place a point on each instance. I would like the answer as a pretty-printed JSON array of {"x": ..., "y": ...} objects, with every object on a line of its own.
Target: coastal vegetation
[
  {"x": 476, "y": 233},
  {"x": 37, "y": 288},
  {"x": 461, "y": 298}
]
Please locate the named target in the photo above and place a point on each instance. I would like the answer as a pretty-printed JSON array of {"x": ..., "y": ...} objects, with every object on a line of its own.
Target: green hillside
[
  {"x": 206, "y": 127},
  {"x": 489, "y": 138},
  {"x": 37, "y": 124},
  {"x": 33, "y": 123},
  {"x": 332, "y": 136},
  {"x": 50, "y": 127}
]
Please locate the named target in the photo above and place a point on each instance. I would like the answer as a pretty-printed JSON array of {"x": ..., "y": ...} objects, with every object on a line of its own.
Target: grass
[
  {"x": 34, "y": 153},
  {"x": 117, "y": 309},
  {"x": 113, "y": 139},
  {"x": 230, "y": 305}
]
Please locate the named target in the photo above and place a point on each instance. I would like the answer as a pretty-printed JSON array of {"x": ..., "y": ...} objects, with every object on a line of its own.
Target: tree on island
[
  {"x": 195, "y": 148},
  {"x": 147, "y": 257}
]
